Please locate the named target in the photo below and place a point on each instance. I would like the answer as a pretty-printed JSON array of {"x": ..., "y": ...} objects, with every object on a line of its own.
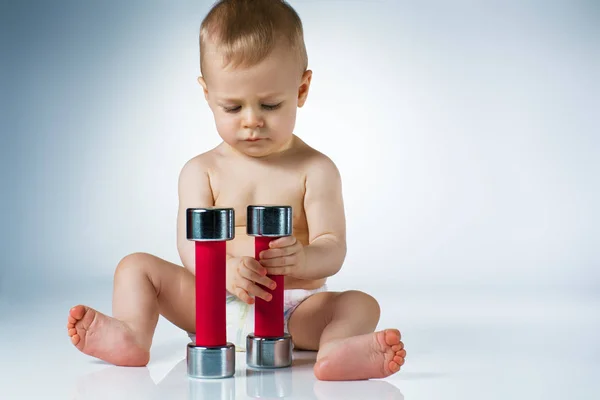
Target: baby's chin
[{"x": 258, "y": 149}]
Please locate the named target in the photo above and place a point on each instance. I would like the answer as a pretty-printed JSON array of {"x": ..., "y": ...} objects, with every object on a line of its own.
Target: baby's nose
[{"x": 252, "y": 119}]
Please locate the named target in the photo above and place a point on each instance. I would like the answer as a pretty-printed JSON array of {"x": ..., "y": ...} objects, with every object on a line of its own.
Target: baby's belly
[
  {"x": 243, "y": 245},
  {"x": 293, "y": 283}
]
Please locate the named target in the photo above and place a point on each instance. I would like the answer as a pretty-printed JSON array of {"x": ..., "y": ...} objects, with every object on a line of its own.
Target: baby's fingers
[
  {"x": 255, "y": 290},
  {"x": 254, "y": 277},
  {"x": 253, "y": 265},
  {"x": 282, "y": 242},
  {"x": 243, "y": 295}
]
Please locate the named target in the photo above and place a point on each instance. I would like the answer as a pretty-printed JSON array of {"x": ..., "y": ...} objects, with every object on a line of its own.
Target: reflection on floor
[
  {"x": 297, "y": 382},
  {"x": 462, "y": 344}
]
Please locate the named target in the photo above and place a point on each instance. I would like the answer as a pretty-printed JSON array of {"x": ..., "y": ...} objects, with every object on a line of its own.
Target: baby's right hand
[{"x": 243, "y": 276}]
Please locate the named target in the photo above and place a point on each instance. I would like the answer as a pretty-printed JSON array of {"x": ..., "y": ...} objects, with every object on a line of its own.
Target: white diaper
[{"x": 240, "y": 316}]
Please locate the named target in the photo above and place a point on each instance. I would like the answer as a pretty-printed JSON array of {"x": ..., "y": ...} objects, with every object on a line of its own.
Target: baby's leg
[
  {"x": 340, "y": 326},
  {"x": 144, "y": 287}
]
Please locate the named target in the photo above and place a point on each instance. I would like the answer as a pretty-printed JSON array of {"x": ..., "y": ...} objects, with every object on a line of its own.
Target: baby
[{"x": 254, "y": 75}]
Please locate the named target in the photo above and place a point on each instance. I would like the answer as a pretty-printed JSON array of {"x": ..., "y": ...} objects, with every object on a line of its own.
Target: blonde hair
[{"x": 245, "y": 32}]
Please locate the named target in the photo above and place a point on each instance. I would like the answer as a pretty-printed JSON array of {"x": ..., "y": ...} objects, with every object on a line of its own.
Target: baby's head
[{"x": 253, "y": 64}]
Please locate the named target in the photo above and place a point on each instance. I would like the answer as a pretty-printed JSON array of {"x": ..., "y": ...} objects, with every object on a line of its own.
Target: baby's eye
[
  {"x": 271, "y": 106},
  {"x": 232, "y": 109}
]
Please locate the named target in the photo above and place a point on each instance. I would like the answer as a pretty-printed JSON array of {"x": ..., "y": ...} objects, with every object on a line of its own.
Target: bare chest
[{"x": 239, "y": 187}]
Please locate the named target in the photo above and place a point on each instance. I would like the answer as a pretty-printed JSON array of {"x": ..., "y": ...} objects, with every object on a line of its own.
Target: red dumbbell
[
  {"x": 211, "y": 356},
  {"x": 268, "y": 346}
]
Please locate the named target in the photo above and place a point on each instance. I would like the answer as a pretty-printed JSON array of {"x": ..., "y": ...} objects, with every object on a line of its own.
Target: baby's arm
[
  {"x": 324, "y": 208},
  {"x": 194, "y": 192}
]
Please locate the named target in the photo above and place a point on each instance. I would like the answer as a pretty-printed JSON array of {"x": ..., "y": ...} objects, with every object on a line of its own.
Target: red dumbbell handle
[
  {"x": 268, "y": 315},
  {"x": 210, "y": 293}
]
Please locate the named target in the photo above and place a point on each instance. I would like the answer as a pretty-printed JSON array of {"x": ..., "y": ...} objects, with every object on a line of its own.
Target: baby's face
[{"x": 255, "y": 107}]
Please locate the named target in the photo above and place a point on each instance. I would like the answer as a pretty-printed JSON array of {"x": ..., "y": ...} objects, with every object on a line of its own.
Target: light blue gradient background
[{"x": 466, "y": 132}]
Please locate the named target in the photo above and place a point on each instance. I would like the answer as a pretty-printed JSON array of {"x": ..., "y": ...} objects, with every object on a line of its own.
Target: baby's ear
[
  {"x": 202, "y": 83},
  {"x": 304, "y": 86}
]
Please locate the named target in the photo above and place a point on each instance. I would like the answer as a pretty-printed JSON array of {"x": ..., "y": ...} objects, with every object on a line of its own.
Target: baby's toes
[
  {"x": 392, "y": 337},
  {"x": 75, "y": 339},
  {"x": 398, "y": 347},
  {"x": 76, "y": 313},
  {"x": 400, "y": 356}
]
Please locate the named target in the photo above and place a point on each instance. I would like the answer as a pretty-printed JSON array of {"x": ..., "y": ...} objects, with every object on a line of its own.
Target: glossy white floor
[{"x": 462, "y": 344}]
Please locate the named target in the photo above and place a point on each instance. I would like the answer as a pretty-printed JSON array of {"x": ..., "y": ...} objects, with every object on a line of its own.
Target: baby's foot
[
  {"x": 105, "y": 338},
  {"x": 374, "y": 355}
]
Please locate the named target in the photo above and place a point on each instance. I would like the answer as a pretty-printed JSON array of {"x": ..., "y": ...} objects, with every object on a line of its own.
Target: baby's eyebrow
[
  {"x": 224, "y": 100},
  {"x": 270, "y": 95},
  {"x": 265, "y": 96}
]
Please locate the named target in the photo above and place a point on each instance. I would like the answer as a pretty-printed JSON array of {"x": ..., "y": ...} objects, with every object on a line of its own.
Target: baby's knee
[
  {"x": 362, "y": 302},
  {"x": 132, "y": 262}
]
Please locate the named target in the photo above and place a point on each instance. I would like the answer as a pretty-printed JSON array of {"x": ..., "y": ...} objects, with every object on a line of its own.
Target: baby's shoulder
[
  {"x": 314, "y": 162},
  {"x": 201, "y": 162}
]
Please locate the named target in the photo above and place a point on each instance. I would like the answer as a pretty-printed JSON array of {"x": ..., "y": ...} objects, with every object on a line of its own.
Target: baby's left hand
[{"x": 284, "y": 257}]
